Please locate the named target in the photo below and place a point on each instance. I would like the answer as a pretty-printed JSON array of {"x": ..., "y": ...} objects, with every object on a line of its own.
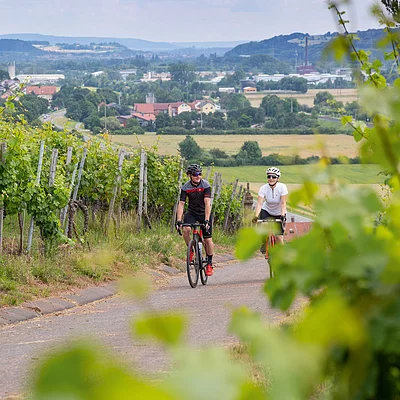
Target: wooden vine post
[
  {"x": 228, "y": 209},
  {"x": 63, "y": 212},
  {"x": 38, "y": 174},
  {"x": 3, "y": 149},
  {"x": 141, "y": 187},
  {"x": 178, "y": 197},
  {"x": 78, "y": 182},
  {"x": 217, "y": 192},
  {"x": 121, "y": 158}
]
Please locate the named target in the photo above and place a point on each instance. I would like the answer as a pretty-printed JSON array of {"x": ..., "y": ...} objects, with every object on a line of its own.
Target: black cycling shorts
[
  {"x": 190, "y": 218},
  {"x": 266, "y": 215}
]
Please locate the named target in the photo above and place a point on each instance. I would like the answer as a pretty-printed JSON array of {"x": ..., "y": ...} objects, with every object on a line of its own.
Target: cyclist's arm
[
  {"x": 179, "y": 211},
  {"x": 207, "y": 203},
  {"x": 283, "y": 204},
  {"x": 259, "y": 204}
]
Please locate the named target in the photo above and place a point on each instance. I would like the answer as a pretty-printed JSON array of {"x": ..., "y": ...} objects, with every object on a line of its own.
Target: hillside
[
  {"x": 17, "y": 46},
  {"x": 290, "y": 47}
]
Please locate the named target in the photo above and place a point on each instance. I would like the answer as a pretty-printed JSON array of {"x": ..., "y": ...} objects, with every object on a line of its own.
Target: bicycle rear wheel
[
  {"x": 271, "y": 244},
  {"x": 192, "y": 263},
  {"x": 203, "y": 276}
]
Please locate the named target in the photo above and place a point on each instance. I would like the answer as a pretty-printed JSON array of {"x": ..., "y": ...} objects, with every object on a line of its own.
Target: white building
[
  {"x": 39, "y": 78},
  {"x": 127, "y": 72},
  {"x": 11, "y": 70},
  {"x": 313, "y": 78}
]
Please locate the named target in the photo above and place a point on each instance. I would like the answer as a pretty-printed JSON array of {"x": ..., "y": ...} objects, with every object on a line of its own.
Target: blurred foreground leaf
[
  {"x": 86, "y": 372},
  {"x": 165, "y": 328}
]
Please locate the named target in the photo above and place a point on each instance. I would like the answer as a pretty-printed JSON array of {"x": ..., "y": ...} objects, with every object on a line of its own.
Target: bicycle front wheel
[{"x": 192, "y": 263}]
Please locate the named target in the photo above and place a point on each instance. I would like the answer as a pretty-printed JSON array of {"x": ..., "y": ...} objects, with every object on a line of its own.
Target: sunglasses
[
  {"x": 272, "y": 177},
  {"x": 197, "y": 174}
]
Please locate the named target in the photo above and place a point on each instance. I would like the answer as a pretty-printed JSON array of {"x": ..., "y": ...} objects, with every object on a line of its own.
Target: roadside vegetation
[{"x": 72, "y": 266}]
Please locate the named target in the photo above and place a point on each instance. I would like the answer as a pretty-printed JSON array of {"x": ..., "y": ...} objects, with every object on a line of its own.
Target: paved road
[
  {"x": 209, "y": 308},
  {"x": 51, "y": 117}
]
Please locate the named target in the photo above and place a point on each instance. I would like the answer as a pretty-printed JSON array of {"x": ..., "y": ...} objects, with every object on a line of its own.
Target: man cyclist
[
  {"x": 198, "y": 191},
  {"x": 272, "y": 200}
]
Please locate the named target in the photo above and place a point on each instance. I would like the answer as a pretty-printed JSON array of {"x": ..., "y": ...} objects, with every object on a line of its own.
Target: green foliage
[
  {"x": 182, "y": 73},
  {"x": 234, "y": 101},
  {"x": 250, "y": 153},
  {"x": 189, "y": 149}
]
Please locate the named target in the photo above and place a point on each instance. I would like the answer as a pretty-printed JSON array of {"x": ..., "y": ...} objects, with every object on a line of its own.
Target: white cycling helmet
[{"x": 273, "y": 170}]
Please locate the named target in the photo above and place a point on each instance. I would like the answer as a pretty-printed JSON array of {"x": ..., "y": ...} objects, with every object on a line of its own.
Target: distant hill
[
  {"x": 133, "y": 44},
  {"x": 290, "y": 47},
  {"x": 17, "y": 46}
]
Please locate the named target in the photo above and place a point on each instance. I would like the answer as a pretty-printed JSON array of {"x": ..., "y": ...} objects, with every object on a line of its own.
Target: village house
[
  {"x": 249, "y": 89},
  {"x": 45, "y": 92},
  {"x": 180, "y": 107},
  {"x": 205, "y": 107}
]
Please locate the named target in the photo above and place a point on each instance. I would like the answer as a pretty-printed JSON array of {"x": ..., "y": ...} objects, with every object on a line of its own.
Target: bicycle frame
[{"x": 270, "y": 240}]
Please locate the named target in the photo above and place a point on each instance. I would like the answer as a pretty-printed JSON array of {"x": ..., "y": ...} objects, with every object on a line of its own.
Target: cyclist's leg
[
  {"x": 209, "y": 245},
  {"x": 279, "y": 235},
  {"x": 188, "y": 218}
]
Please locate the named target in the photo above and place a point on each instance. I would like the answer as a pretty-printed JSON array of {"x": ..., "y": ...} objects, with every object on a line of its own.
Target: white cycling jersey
[{"x": 272, "y": 197}]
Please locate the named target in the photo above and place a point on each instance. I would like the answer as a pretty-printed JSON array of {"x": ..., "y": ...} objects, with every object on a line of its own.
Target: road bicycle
[
  {"x": 271, "y": 239},
  {"x": 195, "y": 261}
]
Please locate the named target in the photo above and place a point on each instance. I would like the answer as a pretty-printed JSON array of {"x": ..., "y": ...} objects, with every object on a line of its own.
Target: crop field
[
  {"x": 302, "y": 145},
  {"x": 344, "y": 95}
]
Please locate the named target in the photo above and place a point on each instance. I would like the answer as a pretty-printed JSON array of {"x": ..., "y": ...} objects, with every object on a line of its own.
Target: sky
[{"x": 178, "y": 20}]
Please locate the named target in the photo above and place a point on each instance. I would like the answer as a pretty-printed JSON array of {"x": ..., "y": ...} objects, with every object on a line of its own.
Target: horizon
[{"x": 180, "y": 21}]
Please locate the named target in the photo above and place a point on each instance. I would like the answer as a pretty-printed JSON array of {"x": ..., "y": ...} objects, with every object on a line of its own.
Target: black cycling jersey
[{"x": 196, "y": 195}]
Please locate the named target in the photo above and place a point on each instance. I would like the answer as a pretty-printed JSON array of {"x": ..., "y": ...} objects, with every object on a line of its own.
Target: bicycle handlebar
[
  {"x": 201, "y": 225},
  {"x": 269, "y": 220}
]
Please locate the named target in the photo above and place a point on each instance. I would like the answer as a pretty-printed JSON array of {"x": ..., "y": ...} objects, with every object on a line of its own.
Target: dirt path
[{"x": 208, "y": 308}]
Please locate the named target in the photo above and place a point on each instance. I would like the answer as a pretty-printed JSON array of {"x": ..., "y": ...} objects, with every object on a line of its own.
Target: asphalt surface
[{"x": 209, "y": 309}]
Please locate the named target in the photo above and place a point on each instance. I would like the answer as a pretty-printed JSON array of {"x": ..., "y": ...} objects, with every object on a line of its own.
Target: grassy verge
[{"x": 25, "y": 277}]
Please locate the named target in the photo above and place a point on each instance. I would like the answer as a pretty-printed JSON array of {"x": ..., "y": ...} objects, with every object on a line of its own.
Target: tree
[
  {"x": 234, "y": 101},
  {"x": 132, "y": 123},
  {"x": 244, "y": 121},
  {"x": 112, "y": 123},
  {"x": 163, "y": 120},
  {"x": 4, "y": 75},
  {"x": 250, "y": 153},
  {"x": 272, "y": 105},
  {"x": 189, "y": 148},
  {"x": 293, "y": 83},
  {"x": 322, "y": 98},
  {"x": 31, "y": 106},
  {"x": 182, "y": 73}
]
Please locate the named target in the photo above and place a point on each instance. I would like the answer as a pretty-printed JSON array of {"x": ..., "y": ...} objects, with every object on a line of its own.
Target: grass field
[
  {"x": 303, "y": 145},
  {"x": 350, "y": 174},
  {"x": 344, "y": 95}
]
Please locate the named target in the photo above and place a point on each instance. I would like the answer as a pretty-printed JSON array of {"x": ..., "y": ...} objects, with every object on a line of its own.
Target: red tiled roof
[
  {"x": 144, "y": 108},
  {"x": 41, "y": 90},
  {"x": 161, "y": 106},
  {"x": 145, "y": 117}
]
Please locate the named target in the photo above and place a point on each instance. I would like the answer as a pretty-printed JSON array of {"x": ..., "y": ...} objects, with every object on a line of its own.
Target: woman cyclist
[{"x": 272, "y": 199}]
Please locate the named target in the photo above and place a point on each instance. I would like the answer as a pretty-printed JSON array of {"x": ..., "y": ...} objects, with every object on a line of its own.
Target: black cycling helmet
[{"x": 193, "y": 169}]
